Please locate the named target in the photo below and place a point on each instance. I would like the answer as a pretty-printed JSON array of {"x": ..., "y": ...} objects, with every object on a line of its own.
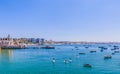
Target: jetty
[{"x": 13, "y": 47}]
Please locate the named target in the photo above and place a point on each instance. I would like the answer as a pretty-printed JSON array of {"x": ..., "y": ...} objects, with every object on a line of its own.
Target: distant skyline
[{"x": 61, "y": 20}]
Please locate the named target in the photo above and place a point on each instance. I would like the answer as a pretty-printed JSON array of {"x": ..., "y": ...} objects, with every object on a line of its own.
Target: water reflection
[{"x": 5, "y": 55}]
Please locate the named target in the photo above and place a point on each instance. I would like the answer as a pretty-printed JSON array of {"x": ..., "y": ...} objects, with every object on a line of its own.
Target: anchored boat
[{"x": 47, "y": 47}]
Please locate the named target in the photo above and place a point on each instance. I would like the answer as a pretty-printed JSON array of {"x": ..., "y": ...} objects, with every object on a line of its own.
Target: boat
[
  {"x": 53, "y": 60},
  {"x": 81, "y": 53},
  {"x": 107, "y": 57},
  {"x": 116, "y": 47},
  {"x": 117, "y": 51},
  {"x": 101, "y": 50},
  {"x": 113, "y": 53},
  {"x": 86, "y": 47},
  {"x": 87, "y": 65},
  {"x": 92, "y": 51},
  {"x": 113, "y": 49},
  {"x": 47, "y": 47},
  {"x": 76, "y": 46},
  {"x": 104, "y": 48}
]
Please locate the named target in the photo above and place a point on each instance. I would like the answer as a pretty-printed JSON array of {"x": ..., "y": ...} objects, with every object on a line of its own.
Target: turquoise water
[{"x": 38, "y": 61}]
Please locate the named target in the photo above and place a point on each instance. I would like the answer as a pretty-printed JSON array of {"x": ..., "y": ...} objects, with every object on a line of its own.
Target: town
[{"x": 20, "y": 43}]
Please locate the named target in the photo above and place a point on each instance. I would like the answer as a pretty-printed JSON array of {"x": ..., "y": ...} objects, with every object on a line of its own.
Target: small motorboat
[
  {"x": 86, "y": 47},
  {"x": 47, "y": 47},
  {"x": 81, "y": 53},
  {"x": 107, "y": 57},
  {"x": 113, "y": 49},
  {"x": 65, "y": 61},
  {"x": 87, "y": 65},
  {"x": 101, "y": 50},
  {"x": 76, "y": 46},
  {"x": 92, "y": 51},
  {"x": 116, "y": 51},
  {"x": 70, "y": 60},
  {"x": 113, "y": 53},
  {"x": 104, "y": 48},
  {"x": 53, "y": 60}
]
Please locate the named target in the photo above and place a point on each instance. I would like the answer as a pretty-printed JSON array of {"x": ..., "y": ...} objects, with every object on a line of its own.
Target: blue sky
[{"x": 73, "y": 20}]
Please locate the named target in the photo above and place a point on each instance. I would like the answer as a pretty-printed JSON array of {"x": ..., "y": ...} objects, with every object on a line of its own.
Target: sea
[{"x": 39, "y": 61}]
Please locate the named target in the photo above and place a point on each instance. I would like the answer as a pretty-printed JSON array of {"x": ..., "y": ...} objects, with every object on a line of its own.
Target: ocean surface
[{"x": 39, "y": 61}]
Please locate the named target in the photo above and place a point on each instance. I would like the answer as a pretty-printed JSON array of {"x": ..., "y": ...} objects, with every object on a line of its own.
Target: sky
[{"x": 61, "y": 20}]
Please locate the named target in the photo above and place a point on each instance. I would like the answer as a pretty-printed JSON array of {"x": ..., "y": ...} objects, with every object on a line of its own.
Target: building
[
  {"x": 40, "y": 41},
  {"x": 32, "y": 40},
  {"x": 8, "y": 41}
]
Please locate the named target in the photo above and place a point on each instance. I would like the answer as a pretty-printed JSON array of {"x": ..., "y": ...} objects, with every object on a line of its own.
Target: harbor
[
  {"x": 59, "y": 37},
  {"x": 63, "y": 59},
  {"x": 80, "y": 56}
]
